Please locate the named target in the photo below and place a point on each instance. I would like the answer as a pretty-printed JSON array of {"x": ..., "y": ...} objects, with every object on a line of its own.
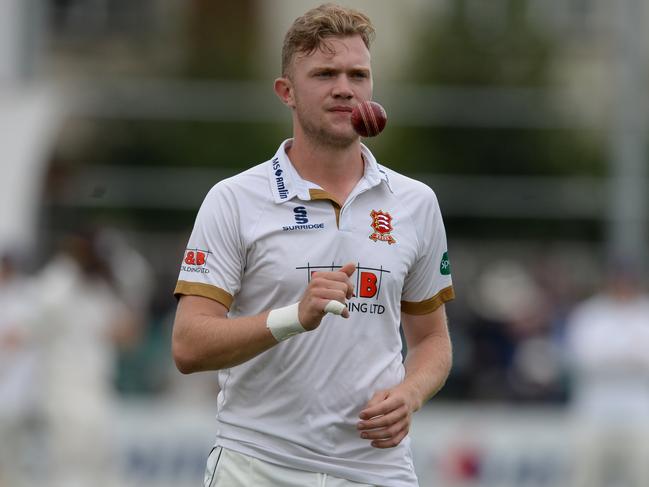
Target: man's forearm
[
  {"x": 212, "y": 343},
  {"x": 428, "y": 365},
  {"x": 204, "y": 338}
]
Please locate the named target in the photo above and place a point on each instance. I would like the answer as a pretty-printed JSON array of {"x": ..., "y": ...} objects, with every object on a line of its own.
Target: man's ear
[{"x": 284, "y": 90}]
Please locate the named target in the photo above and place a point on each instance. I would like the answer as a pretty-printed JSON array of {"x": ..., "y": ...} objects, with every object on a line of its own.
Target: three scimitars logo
[{"x": 382, "y": 226}]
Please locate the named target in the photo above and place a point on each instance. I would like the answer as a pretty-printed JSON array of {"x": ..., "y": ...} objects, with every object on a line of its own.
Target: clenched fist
[{"x": 323, "y": 288}]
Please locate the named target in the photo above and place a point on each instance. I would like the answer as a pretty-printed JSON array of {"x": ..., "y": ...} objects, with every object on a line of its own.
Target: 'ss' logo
[{"x": 300, "y": 215}]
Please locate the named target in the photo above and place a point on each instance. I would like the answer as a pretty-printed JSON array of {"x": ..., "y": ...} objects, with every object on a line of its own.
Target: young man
[{"x": 296, "y": 278}]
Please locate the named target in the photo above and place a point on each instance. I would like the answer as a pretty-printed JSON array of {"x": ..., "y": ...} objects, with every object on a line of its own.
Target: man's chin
[{"x": 339, "y": 138}]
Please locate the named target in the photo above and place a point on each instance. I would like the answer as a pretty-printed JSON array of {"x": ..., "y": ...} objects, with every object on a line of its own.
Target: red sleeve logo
[
  {"x": 195, "y": 257},
  {"x": 195, "y": 260},
  {"x": 382, "y": 226}
]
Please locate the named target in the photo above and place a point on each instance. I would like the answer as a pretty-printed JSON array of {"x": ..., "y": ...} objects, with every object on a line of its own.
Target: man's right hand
[{"x": 323, "y": 287}]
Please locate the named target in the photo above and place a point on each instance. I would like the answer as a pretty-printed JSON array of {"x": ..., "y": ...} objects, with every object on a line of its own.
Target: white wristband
[{"x": 284, "y": 322}]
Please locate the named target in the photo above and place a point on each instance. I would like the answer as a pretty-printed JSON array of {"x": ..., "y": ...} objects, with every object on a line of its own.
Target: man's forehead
[{"x": 332, "y": 49}]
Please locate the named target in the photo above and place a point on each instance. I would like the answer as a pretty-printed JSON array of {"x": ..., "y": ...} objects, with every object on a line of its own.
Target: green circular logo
[{"x": 445, "y": 265}]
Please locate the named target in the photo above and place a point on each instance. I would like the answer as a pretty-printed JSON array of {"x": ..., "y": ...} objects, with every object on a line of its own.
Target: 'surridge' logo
[
  {"x": 301, "y": 221},
  {"x": 300, "y": 215}
]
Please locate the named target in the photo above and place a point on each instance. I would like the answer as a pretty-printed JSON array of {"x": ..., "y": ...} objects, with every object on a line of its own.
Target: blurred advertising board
[{"x": 454, "y": 446}]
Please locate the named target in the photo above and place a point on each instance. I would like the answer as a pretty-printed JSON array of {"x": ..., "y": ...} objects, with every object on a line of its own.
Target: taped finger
[{"x": 335, "y": 307}]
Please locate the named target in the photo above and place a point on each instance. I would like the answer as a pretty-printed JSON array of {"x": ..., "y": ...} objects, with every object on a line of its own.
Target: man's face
[{"x": 324, "y": 87}]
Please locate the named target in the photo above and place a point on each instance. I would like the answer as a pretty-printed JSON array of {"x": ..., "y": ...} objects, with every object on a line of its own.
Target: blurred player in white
[
  {"x": 608, "y": 351},
  {"x": 296, "y": 278},
  {"x": 83, "y": 321},
  {"x": 19, "y": 365}
]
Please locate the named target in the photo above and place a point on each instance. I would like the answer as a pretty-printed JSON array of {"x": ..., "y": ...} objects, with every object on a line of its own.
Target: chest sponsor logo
[
  {"x": 382, "y": 226},
  {"x": 279, "y": 179},
  {"x": 301, "y": 221},
  {"x": 195, "y": 260},
  {"x": 368, "y": 282}
]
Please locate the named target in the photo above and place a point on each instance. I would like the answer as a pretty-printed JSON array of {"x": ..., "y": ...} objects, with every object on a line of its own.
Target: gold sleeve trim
[
  {"x": 429, "y": 305},
  {"x": 205, "y": 290}
]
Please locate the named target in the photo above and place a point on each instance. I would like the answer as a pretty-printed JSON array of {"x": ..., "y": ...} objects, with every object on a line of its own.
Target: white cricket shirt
[
  {"x": 257, "y": 238},
  {"x": 607, "y": 341}
]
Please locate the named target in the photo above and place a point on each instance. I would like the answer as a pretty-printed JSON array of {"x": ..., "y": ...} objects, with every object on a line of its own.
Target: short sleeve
[
  {"x": 428, "y": 283},
  {"x": 213, "y": 261}
]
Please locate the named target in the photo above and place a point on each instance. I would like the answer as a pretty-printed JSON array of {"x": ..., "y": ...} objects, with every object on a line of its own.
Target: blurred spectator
[
  {"x": 513, "y": 356},
  {"x": 131, "y": 272},
  {"x": 18, "y": 368},
  {"x": 83, "y": 320},
  {"x": 607, "y": 347}
]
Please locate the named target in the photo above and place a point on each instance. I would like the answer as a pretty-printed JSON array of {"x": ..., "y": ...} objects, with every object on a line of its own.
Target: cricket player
[{"x": 296, "y": 278}]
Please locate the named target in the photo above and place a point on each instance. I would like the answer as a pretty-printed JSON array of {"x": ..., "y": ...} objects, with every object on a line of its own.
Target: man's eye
[
  {"x": 324, "y": 74},
  {"x": 360, "y": 75}
]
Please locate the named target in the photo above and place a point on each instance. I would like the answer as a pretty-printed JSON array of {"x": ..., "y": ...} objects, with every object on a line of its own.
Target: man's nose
[{"x": 342, "y": 88}]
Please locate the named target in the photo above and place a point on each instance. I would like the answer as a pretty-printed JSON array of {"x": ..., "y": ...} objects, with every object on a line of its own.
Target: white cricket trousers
[{"x": 227, "y": 468}]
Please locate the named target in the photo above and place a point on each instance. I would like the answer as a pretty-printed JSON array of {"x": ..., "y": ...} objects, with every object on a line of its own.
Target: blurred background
[{"x": 527, "y": 117}]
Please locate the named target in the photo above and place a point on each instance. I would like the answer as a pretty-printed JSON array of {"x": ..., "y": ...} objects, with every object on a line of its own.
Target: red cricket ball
[{"x": 369, "y": 118}]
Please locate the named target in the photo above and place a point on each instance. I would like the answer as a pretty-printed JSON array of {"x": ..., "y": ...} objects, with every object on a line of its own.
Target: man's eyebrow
[
  {"x": 315, "y": 69},
  {"x": 354, "y": 69}
]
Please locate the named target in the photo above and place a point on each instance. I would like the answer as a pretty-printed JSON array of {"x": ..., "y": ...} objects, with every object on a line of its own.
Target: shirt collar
[
  {"x": 374, "y": 173},
  {"x": 286, "y": 183},
  {"x": 281, "y": 175}
]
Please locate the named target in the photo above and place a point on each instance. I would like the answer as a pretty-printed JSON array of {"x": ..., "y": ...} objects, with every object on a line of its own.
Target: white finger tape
[
  {"x": 284, "y": 322},
  {"x": 335, "y": 307}
]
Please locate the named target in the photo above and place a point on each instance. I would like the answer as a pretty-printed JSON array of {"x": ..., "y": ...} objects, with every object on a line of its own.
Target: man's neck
[{"x": 337, "y": 170}]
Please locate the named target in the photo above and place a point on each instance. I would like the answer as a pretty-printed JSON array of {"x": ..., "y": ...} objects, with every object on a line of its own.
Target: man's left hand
[{"x": 386, "y": 418}]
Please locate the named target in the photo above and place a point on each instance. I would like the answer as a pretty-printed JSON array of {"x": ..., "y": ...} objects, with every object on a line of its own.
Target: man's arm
[
  {"x": 386, "y": 418},
  {"x": 429, "y": 358},
  {"x": 204, "y": 338}
]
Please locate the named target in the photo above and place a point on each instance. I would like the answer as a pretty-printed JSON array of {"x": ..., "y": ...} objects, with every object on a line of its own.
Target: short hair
[{"x": 310, "y": 30}]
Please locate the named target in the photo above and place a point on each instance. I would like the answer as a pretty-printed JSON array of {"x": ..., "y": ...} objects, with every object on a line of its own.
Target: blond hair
[{"x": 310, "y": 31}]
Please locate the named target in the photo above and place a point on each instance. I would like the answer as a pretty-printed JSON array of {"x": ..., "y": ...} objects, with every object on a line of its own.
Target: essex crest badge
[{"x": 382, "y": 226}]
